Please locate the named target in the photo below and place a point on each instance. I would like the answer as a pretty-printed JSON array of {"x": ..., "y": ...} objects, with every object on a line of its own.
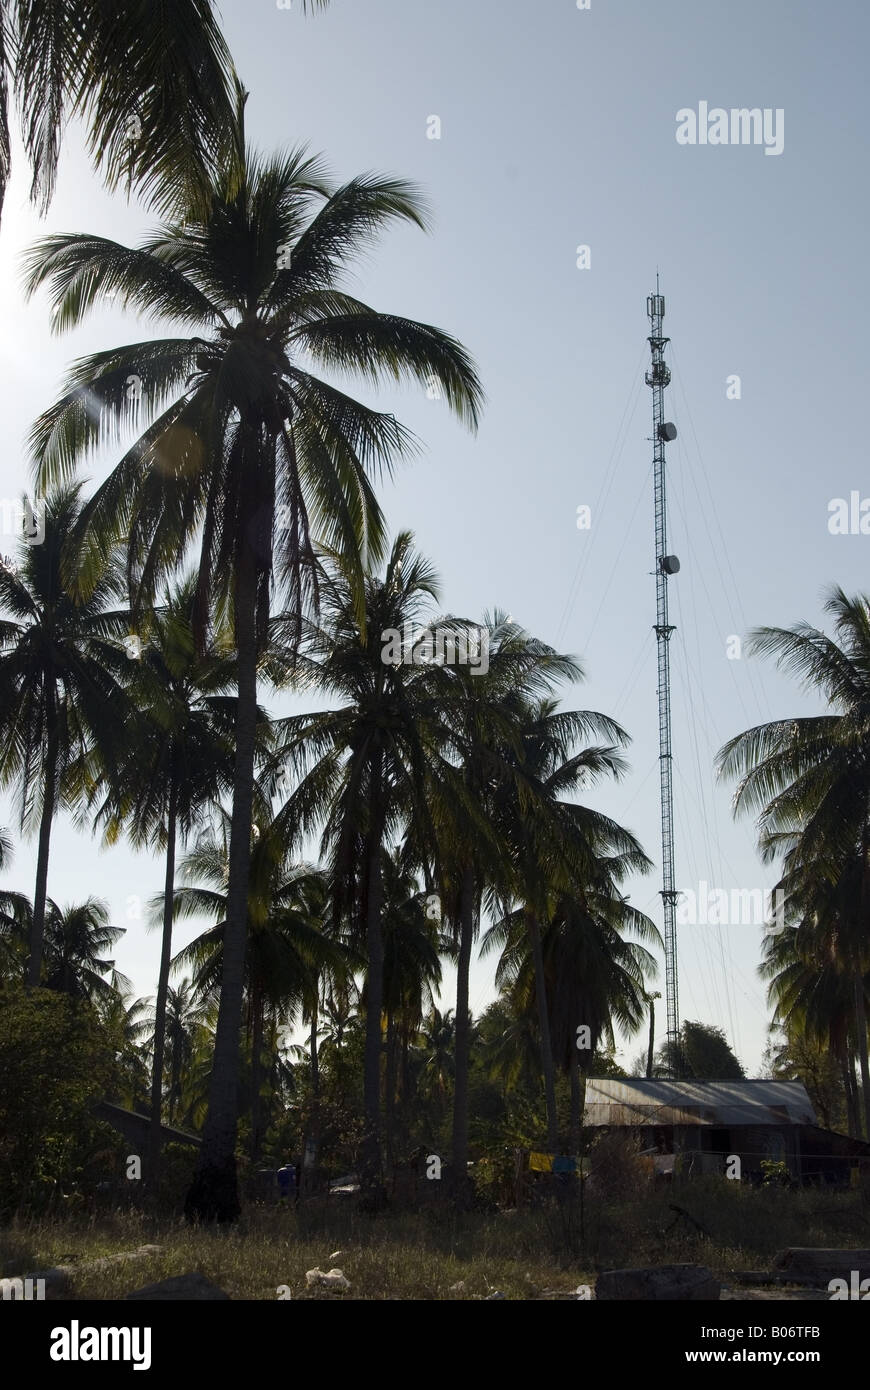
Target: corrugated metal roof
[{"x": 631, "y": 1101}]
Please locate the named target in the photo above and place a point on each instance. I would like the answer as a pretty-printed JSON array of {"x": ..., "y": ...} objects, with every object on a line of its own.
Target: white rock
[
  {"x": 458, "y": 1287},
  {"x": 333, "y": 1279}
]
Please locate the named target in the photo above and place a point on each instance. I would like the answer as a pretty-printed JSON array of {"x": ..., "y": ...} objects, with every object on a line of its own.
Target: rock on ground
[
  {"x": 332, "y": 1279},
  {"x": 773, "y": 1295},
  {"x": 691, "y": 1283},
  {"x": 822, "y": 1265}
]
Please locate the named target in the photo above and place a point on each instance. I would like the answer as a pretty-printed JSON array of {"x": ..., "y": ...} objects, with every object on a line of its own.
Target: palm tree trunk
[
  {"x": 40, "y": 891},
  {"x": 390, "y": 1090},
  {"x": 312, "y": 1047},
  {"x": 314, "y": 1123},
  {"x": 406, "y": 1064},
  {"x": 257, "y": 1007},
  {"x": 861, "y": 1030},
  {"x": 214, "y": 1191},
  {"x": 576, "y": 1098},
  {"x": 848, "y": 1076},
  {"x": 154, "y": 1135},
  {"x": 174, "y": 1079},
  {"x": 371, "y": 1179},
  {"x": 405, "y": 1081},
  {"x": 462, "y": 1033},
  {"x": 547, "y": 1066}
]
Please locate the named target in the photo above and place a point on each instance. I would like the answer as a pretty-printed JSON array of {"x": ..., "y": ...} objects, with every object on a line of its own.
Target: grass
[
  {"x": 421, "y": 1255},
  {"x": 742, "y": 1228},
  {"x": 406, "y": 1257}
]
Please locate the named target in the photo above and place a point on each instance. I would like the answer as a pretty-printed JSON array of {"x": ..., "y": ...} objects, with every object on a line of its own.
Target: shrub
[
  {"x": 775, "y": 1171},
  {"x": 616, "y": 1167},
  {"x": 55, "y": 1061}
]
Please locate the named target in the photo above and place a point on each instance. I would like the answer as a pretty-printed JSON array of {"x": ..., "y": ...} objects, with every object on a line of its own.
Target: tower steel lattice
[{"x": 658, "y": 378}]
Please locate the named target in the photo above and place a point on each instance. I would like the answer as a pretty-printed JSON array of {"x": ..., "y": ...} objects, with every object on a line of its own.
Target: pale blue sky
[{"x": 558, "y": 129}]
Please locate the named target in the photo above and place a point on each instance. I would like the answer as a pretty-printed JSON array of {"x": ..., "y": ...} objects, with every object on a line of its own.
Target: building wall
[{"x": 752, "y": 1144}]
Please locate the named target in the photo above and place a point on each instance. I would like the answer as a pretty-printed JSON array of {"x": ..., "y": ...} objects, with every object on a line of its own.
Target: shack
[{"x": 696, "y": 1127}]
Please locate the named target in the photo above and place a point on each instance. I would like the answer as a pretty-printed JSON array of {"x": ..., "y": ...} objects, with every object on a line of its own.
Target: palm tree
[
  {"x": 412, "y": 973},
  {"x": 58, "y": 694},
  {"x": 153, "y": 90},
  {"x": 191, "y": 1100},
  {"x": 438, "y": 1043},
  {"x": 483, "y": 716},
  {"x": 16, "y": 918},
  {"x": 511, "y": 1045},
  {"x": 331, "y": 970},
  {"x": 185, "y": 1016},
  {"x": 248, "y": 452},
  {"x": 76, "y": 941},
  {"x": 593, "y": 976},
  {"x": 814, "y": 966},
  {"x": 552, "y": 843},
  {"x": 363, "y": 768},
  {"x": 285, "y": 945},
  {"x": 650, "y": 998},
  {"x": 178, "y": 763},
  {"x": 596, "y": 978},
  {"x": 338, "y": 1005},
  {"x": 809, "y": 778},
  {"x": 14, "y": 909},
  {"x": 126, "y": 1023},
  {"x": 322, "y": 957}
]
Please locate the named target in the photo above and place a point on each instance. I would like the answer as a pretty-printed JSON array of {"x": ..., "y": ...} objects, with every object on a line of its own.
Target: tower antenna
[{"x": 658, "y": 378}]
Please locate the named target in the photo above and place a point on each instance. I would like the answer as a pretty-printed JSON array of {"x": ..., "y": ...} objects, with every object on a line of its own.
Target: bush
[
  {"x": 775, "y": 1172},
  {"x": 616, "y": 1169},
  {"x": 55, "y": 1061},
  {"x": 494, "y": 1178}
]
